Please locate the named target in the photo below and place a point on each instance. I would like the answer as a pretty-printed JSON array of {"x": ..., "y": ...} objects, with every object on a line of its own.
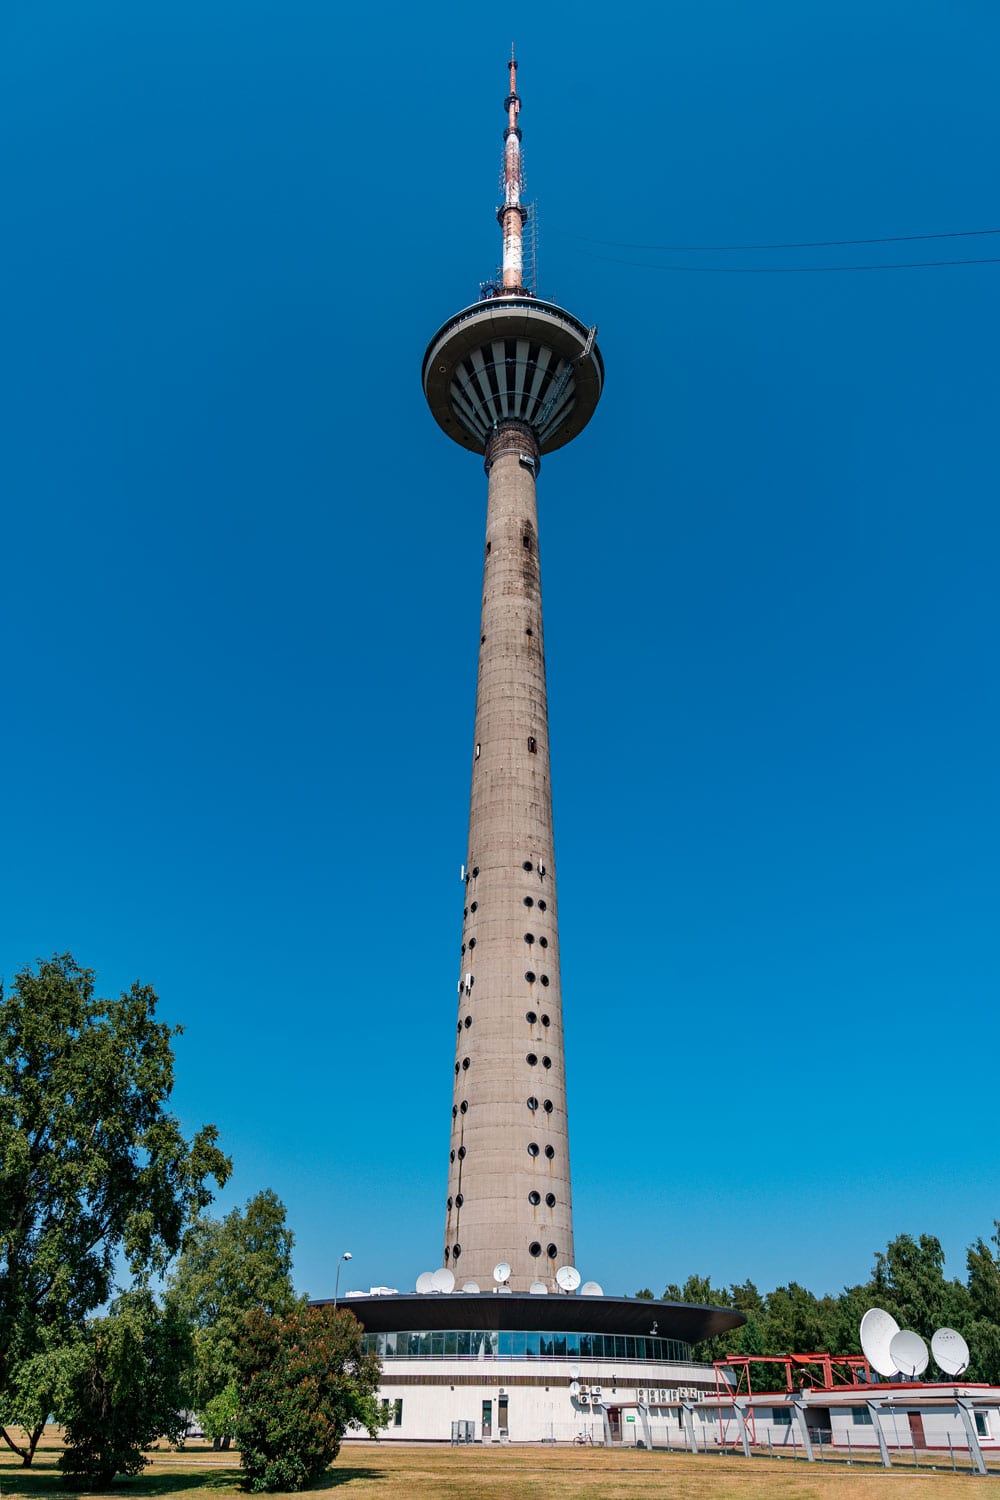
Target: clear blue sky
[{"x": 240, "y": 587}]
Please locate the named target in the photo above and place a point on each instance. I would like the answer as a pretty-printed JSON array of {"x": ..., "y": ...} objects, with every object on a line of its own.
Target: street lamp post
[{"x": 336, "y": 1285}]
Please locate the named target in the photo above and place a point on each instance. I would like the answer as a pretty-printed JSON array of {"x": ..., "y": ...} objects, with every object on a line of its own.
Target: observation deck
[{"x": 513, "y": 358}]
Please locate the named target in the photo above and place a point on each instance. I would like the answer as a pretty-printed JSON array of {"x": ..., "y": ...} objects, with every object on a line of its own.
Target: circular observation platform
[
  {"x": 513, "y": 358},
  {"x": 634, "y": 1317}
]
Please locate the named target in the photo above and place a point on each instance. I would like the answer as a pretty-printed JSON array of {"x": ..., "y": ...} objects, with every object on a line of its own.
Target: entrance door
[
  {"x": 615, "y": 1423},
  {"x": 916, "y": 1429},
  {"x": 487, "y": 1420}
]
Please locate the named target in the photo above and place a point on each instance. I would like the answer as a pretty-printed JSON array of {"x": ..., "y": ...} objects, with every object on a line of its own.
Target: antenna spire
[{"x": 511, "y": 215}]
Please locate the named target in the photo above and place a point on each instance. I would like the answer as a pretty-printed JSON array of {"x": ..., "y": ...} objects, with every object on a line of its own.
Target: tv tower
[{"x": 511, "y": 377}]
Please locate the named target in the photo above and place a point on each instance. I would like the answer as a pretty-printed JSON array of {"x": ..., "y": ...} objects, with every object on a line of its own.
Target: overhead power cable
[
  {"x": 903, "y": 265},
  {"x": 884, "y": 239}
]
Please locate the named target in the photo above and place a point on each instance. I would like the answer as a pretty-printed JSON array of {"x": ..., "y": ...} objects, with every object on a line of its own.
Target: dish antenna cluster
[
  {"x": 567, "y": 1280},
  {"x": 893, "y": 1351}
]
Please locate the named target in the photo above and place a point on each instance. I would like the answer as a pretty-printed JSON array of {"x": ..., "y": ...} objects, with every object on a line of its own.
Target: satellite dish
[
  {"x": 574, "y": 1372},
  {"x": 909, "y": 1352},
  {"x": 501, "y": 1272},
  {"x": 443, "y": 1279},
  {"x": 425, "y": 1283},
  {"x": 591, "y": 1289},
  {"x": 574, "y": 1388},
  {"x": 470, "y": 1286},
  {"x": 568, "y": 1277},
  {"x": 538, "y": 1289},
  {"x": 878, "y": 1329},
  {"x": 950, "y": 1351}
]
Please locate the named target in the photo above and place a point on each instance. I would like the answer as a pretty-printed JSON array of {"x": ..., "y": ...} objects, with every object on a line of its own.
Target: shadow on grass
[{"x": 47, "y": 1480}]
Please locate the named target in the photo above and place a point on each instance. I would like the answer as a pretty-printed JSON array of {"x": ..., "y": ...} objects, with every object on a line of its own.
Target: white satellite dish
[
  {"x": 909, "y": 1352},
  {"x": 591, "y": 1289},
  {"x": 501, "y": 1272},
  {"x": 538, "y": 1289},
  {"x": 574, "y": 1372},
  {"x": 443, "y": 1279},
  {"x": 470, "y": 1286},
  {"x": 568, "y": 1277},
  {"x": 878, "y": 1329},
  {"x": 425, "y": 1282},
  {"x": 574, "y": 1388},
  {"x": 950, "y": 1351}
]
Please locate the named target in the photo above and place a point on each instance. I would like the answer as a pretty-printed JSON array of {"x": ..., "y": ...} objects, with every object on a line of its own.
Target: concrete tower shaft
[
  {"x": 511, "y": 377},
  {"x": 509, "y": 1196}
]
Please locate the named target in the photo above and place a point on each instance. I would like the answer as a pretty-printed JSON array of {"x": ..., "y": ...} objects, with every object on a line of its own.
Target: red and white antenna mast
[{"x": 511, "y": 215}]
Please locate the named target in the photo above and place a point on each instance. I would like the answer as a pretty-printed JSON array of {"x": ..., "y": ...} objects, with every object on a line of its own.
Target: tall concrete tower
[{"x": 512, "y": 378}]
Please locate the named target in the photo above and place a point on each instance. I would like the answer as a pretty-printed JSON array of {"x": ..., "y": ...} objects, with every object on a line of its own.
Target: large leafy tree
[
  {"x": 94, "y": 1169},
  {"x": 227, "y": 1268},
  {"x": 983, "y": 1330},
  {"x": 304, "y": 1379},
  {"x": 126, "y": 1390}
]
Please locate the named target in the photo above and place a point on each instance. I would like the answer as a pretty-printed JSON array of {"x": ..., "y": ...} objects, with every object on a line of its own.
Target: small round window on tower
[
  {"x": 547, "y": 1106},
  {"x": 475, "y": 872},
  {"x": 532, "y": 1102},
  {"x": 531, "y": 1059},
  {"x": 543, "y": 940},
  {"x": 550, "y": 1152},
  {"x": 530, "y": 1017},
  {"x": 465, "y": 1106},
  {"x": 449, "y": 1203},
  {"x": 529, "y": 900},
  {"x": 546, "y": 1062},
  {"x": 451, "y": 1156},
  {"x": 461, "y": 1153},
  {"x": 472, "y": 944},
  {"x": 550, "y": 1199},
  {"x": 460, "y": 1199},
  {"x": 545, "y": 1020},
  {"x": 541, "y": 906},
  {"x": 532, "y": 1148},
  {"x": 533, "y": 1198},
  {"x": 465, "y": 1062},
  {"x": 454, "y": 1110},
  {"x": 529, "y": 937},
  {"x": 550, "y": 1250},
  {"x": 527, "y": 865},
  {"x": 545, "y": 979},
  {"x": 457, "y": 1251},
  {"x": 534, "y": 1249},
  {"x": 468, "y": 1020},
  {"x": 474, "y": 906},
  {"x": 530, "y": 976}
]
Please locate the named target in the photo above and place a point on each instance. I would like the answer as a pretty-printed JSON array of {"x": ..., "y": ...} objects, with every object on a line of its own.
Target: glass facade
[{"x": 478, "y": 1343}]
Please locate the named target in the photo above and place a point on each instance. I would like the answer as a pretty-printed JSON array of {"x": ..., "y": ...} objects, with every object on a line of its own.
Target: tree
[
  {"x": 226, "y": 1268},
  {"x": 39, "y": 1385},
  {"x": 908, "y": 1280},
  {"x": 126, "y": 1391},
  {"x": 984, "y": 1309},
  {"x": 304, "y": 1379},
  {"x": 94, "y": 1170}
]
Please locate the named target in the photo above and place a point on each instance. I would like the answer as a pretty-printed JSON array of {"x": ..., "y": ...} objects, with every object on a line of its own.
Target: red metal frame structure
[{"x": 823, "y": 1372}]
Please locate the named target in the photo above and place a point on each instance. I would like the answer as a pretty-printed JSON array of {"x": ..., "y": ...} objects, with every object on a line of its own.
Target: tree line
[
  {"x": 123, "y": 1306},
  {"x": 907, "y": 1280}
]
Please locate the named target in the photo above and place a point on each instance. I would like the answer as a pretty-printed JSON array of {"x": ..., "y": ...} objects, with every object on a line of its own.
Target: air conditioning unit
[
  {"x": 584, "y": 1398},
  {"x": 595, "y": 1390}
]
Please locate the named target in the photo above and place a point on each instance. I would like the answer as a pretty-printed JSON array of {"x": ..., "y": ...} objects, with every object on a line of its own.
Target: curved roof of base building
[{"x": 523, "y": 1310}]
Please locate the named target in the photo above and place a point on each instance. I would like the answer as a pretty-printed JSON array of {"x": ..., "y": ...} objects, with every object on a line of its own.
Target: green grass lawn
[{"x": 378, "y": 1471}]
